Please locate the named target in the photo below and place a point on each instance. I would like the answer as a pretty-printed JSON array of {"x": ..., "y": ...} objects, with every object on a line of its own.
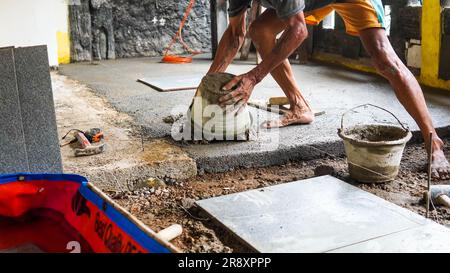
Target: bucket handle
[{"x": 369, "y": 104}]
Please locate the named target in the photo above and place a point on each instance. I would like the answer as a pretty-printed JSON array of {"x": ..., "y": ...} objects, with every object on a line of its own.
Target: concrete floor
[{"x": 327, "y": 88}]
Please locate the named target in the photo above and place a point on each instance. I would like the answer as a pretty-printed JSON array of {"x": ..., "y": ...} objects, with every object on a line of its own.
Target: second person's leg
[{"x": 408, "y": 92}]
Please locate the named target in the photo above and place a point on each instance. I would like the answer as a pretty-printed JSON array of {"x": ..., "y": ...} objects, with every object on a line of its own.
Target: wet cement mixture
[{"x": 169, "y": 200}]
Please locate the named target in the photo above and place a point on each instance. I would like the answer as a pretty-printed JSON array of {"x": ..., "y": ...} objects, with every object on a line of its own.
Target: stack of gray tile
[{"x": 28, "y": 135}]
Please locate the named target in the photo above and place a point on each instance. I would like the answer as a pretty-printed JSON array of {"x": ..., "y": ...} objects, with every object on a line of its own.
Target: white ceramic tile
[{"x": 314, "y": 215}]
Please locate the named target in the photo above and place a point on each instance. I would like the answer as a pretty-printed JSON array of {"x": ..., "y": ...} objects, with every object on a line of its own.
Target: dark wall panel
[
  {"x": 37, "y": 109},
  {"x": 13, "y": 156}
]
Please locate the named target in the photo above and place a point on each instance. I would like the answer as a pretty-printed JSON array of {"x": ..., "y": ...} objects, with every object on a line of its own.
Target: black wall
[{"x": 106, "y": 29}]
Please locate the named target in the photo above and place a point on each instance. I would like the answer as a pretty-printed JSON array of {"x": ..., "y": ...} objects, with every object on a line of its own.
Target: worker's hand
[{"x": 242, "y": 87}]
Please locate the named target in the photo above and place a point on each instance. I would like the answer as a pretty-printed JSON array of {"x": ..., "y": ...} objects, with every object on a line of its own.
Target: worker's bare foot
[
  {"x": 440, "y": 167},
  {"x": 300, "y": 116}
]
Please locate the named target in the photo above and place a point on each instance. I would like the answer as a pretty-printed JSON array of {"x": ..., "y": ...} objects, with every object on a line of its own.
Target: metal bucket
[{"x": 374, "y": 152}]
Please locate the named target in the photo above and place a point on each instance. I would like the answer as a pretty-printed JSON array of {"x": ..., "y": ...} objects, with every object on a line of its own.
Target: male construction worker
[{"x": 363, "y": 18}]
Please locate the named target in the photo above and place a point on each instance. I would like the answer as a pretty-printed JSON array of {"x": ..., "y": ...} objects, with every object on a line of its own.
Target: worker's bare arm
[
  {"x": 294, "y": 34},
  {"x": 230, "y": 43}
]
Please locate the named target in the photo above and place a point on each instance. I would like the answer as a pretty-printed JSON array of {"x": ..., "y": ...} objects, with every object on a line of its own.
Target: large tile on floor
[
  {"x": 173, "y": 83},
  {"x": 315, "y": 215}
]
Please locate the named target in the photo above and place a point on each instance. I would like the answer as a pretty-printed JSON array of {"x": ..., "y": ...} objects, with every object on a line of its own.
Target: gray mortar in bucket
[{"x": 374, "y": 151}]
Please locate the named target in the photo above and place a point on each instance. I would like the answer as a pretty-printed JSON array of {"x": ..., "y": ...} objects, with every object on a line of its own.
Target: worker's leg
[
  {"x": 408, "y": 92},
  {"x": 263, "y": 32}
]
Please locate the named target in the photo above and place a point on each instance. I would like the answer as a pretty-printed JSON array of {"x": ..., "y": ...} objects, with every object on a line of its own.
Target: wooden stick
[
  {"x": 430, "y": 158},
  {"x": 278, "y": 101}
]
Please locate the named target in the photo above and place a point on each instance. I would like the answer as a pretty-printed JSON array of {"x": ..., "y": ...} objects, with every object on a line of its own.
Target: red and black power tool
[{"x": 93, "y": 135}]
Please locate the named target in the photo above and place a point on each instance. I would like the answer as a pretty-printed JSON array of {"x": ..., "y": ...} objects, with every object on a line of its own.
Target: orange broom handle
[{"x": 178, "y": 34}]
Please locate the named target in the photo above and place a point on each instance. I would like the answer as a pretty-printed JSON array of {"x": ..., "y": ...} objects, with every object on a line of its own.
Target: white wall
[{"x": 33, "y": 22}]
